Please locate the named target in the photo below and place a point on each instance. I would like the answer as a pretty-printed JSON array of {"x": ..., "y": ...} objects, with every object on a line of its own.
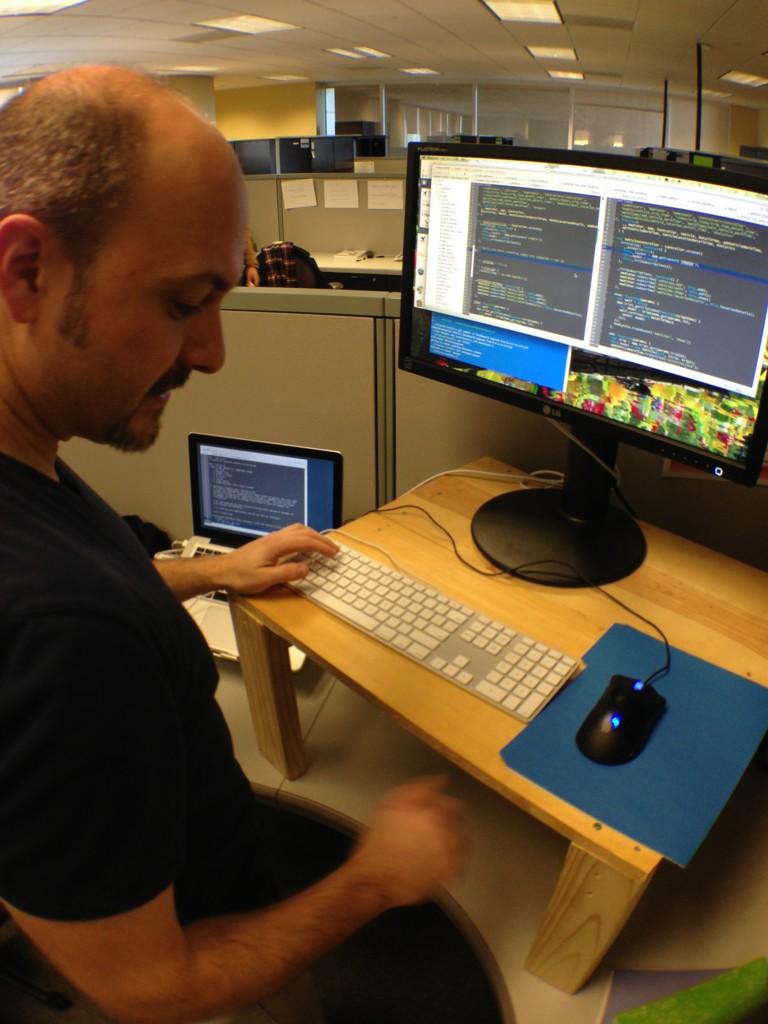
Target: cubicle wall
[
  {"x": 301, "y": 369},
  {"x": 318, "y": 368},
  {"x": 328, "y": 228},
  {"x": 263, "y": 194},
  {"x": 324, "y": 227}
]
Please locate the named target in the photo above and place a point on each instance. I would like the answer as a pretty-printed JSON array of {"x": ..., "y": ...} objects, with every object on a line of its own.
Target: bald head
[{"x": 74, "y": 148}]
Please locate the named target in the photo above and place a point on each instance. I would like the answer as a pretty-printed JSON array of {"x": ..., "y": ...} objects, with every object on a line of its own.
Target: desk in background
[
  {"x": 377, "y": 273},
  {"x": 605, "y": 873}
]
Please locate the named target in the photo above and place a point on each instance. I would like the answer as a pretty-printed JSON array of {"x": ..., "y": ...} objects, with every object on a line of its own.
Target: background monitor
[
  {"x": 625, "y": 298},
  {"x": 256, "y": 156},
  {"x": 294, "y": 156}
]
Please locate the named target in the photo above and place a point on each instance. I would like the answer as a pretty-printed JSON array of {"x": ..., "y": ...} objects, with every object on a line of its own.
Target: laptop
[{"x": 241, "y": 490}]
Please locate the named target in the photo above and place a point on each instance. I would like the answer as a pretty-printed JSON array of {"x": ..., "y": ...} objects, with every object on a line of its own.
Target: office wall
[
  {"x": 743, "y": 129},
  {"x": 198, "y": 89},
  {"x": 266, "y": 112},
  {"x": 715, "y": 125},
  {"x": 358, "y": 103}
]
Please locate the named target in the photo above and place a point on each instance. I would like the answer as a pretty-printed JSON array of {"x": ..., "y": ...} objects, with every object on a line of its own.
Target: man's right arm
[{"x": 143, "y": 967}]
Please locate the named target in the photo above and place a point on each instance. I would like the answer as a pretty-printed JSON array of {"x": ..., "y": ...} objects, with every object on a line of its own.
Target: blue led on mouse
[{"x": 620, "y": 724}]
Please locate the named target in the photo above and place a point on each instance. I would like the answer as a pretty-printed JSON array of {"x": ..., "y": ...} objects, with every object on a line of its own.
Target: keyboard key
[{"x": 531, "y": 704}]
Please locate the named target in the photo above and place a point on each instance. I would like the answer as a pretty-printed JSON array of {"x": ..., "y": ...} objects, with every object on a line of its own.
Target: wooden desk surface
[{"x": 707, "y": 604}]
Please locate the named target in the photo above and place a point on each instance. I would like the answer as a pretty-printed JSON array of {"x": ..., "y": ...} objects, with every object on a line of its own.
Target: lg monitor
[{"x": 625, "y": 298}]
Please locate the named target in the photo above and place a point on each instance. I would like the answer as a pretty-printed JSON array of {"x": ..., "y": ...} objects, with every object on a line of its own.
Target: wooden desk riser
[{"x": 708, "y": 604}]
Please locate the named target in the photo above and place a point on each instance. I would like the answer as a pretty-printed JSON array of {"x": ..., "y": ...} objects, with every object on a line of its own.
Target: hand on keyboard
[
  {"x": 489, "y": 659},
  {"x": 262, "y": 563}
]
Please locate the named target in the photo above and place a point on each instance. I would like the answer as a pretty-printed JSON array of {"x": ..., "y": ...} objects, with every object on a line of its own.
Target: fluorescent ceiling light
[
  {"x": 743, "y": 78},
  {"x": 345, "y": 53},
  {"x": 581, "y": 138},
  {"x": 247, "y": 23},
  {"x": 13, "y": 7},
  {"x": 552, "y": 52},
  {"x": 286, "y": 78},
  {"x": 541, "y": 11},
  {"x": 715, "y": 92},
  {"x": 565, "y": 74},
  {"x": 190, "y": 69},
  {"x": 419, "y": 71},
  {"x": 368, "y": 51}
]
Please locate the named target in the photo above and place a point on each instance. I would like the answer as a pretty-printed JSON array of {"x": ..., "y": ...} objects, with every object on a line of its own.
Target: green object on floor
[{"x": 725, "y": 999}]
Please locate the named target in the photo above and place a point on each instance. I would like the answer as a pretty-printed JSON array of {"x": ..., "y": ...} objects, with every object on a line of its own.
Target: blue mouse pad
[{"x": 670, "y": 796}]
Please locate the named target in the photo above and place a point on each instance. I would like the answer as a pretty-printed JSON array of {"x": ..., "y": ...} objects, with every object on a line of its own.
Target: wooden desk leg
[
  {"x": 590, "y": 905},
  {"x": 271, "y": 693}
]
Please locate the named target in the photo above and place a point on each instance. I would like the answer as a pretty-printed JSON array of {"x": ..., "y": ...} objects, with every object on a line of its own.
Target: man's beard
[
  {"x": 122, "y": 436},
  {"x": 73, "y": 326}
]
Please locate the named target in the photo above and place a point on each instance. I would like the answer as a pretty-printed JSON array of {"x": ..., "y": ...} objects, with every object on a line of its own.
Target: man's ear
[{"x": 23, "y": 243}]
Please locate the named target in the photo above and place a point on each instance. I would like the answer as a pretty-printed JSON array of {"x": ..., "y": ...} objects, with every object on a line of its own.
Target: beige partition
[
  {"x": 329, "y": 229},
  {"x": 263, "y": 209},
  {"x": 301, "y": 369}
]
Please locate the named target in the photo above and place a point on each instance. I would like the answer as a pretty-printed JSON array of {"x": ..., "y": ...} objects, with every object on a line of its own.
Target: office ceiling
[{"x": 618, "y": 43}]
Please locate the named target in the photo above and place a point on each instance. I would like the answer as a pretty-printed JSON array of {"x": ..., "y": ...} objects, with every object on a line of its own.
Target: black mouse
[{"x": 619, "y": 725}]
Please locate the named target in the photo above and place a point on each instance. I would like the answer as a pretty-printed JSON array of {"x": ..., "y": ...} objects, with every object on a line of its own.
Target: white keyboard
[{"x": 511, "y": 670}]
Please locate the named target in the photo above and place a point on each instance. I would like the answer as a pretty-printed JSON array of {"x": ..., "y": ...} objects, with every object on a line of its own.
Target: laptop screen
[{"x": 244, "y": 489}]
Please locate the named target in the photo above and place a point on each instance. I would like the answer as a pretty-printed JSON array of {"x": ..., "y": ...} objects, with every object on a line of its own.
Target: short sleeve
[{"x": 91, "y": 768}]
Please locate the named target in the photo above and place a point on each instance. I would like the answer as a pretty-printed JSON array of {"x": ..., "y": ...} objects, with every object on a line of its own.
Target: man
[
  {"x": 250, "y": 276},
  {"x": 130, "y": 852}
]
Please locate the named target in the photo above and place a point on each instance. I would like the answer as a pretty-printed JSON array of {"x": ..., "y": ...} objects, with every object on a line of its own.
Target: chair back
[{"x": 287, "y": 265}]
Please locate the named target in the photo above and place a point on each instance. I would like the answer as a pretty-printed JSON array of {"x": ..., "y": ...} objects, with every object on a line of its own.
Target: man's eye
[{"x": 182, "y": 310}]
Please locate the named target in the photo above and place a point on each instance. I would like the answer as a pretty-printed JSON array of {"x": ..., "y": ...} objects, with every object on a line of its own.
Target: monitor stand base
[{"x": 528, "y": 534}]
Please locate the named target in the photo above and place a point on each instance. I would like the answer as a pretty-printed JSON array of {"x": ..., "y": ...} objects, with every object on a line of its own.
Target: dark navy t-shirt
[{"x": 117, "y": 776}]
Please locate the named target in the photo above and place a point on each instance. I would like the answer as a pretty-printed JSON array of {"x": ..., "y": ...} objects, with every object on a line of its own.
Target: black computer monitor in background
[
  {"x": 625, "y": 298},
  {"x": 332, "y": 153},
  {"x": 294, "y": 155},
  {"x": 256, "y": 156}
]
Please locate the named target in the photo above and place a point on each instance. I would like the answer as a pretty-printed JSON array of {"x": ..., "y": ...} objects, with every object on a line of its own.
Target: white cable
[
  {"x": 370, "y": 544},
  {"x": 545, "y": 477}
]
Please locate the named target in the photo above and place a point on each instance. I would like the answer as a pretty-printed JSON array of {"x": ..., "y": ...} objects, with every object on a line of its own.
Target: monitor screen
[{"x": 626, "y": 298}]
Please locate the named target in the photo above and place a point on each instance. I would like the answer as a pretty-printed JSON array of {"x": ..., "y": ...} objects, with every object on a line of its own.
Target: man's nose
[{"x": 204, "y": 347}]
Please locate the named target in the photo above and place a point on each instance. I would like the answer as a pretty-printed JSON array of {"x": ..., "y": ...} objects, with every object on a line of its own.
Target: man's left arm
[{"x": 251, "y": 569}]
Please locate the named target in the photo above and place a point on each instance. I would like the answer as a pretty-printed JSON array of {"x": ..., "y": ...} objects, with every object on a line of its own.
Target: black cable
[
  {"x": 522, "y": 572},
  {"x": 518, "y": 571},
  {"x": 623, "y": 500},
  {"x": 459, "y": 556}
]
